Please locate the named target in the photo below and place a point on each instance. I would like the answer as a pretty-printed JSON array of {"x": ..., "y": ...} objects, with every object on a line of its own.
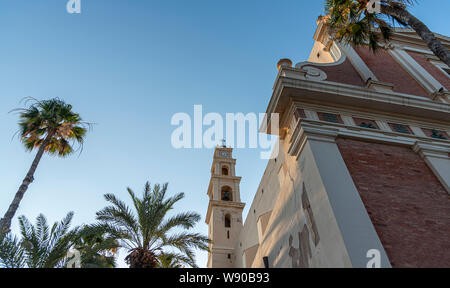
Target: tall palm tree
[
  {"x": 353, "y": 23},
  {"x": 41, "y": 246},
  {"x": 147, "y": 230},
  {"x": 51, "y": 127}
]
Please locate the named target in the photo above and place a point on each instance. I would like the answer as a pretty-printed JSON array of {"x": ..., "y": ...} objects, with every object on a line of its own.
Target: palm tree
[
  {"x": 97, "y": 249},
  {"x": 353, "y": 23},
  {"x": 147, "y": 230},
  {"x": 41, "y": 246},
  {"x": 51, "y": 127}
]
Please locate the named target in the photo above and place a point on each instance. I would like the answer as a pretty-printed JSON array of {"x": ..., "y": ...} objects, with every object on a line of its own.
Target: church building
[{"x": 362, "y": 178}]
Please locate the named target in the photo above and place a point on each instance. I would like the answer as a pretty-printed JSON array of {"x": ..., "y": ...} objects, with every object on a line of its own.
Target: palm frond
[
  {"x": 11, "y": 252},
  {"x": 45, "y": 247}
]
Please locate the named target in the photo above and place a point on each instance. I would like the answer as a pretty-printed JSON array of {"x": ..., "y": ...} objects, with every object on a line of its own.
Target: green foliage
[
  {"x": 11, "y": 252},
  {"x": 53, "y": 119},
  {"x": 45, "y": 246},
  {"x": 42, "y": 246},
  {"x": 352, "y": 23},
  {"x": 147, "y": 228},
  {"x": 97, "y": 249}
]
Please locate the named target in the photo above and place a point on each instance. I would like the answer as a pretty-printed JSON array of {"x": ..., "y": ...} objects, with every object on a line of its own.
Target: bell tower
[{"x": 224, "y": 216}]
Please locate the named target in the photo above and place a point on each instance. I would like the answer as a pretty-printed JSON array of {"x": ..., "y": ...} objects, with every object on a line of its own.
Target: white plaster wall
[
  {"x": 324, "y": 56},
  {"x": 262, "y": 203},
  {"x": 288, "y": 219}
]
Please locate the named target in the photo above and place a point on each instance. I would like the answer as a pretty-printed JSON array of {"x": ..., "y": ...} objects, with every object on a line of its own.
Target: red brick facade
[
  {"x": 344, "y": 73},
  {"x": 408, "y": 206},
  {"x": 388, "y": 70}
]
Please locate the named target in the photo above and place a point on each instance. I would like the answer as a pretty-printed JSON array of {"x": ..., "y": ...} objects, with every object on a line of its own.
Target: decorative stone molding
[
  {"x": 432, "y": 58},
  {"x": 379, "y": 86},
  {"x": 305, "y": 132},
  {"x": 322, "y": 32},
  {"x": 427, "y": 150},
  {"x": 312, "y": 73},
  {"x": 284, "y": 63},
  {"x": 442, "y": 96}
]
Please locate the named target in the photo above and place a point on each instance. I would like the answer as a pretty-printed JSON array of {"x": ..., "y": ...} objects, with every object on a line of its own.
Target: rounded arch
[{"x": 226, "y": 193}]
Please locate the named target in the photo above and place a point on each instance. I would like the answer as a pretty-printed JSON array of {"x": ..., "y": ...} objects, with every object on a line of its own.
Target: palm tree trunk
[
  {"x": 403, "y": 16},
  {"x": 5, "y": 222}
]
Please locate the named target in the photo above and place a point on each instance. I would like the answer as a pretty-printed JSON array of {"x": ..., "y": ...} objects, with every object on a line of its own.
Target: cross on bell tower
[{"x": 224, "y": 216}]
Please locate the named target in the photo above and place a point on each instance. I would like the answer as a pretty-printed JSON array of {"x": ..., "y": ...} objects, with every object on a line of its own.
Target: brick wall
[
  {"x": 344, "y": 73},
  {"x": 388, "y": 70},
  {"x": 407, "y": 204}
]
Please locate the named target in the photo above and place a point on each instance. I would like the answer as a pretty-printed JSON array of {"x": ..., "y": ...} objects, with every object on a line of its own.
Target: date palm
[
  {"x": 50, "y": 126},
  {"x": 97, "y": 250},
  {"x": 146, "y": 230},
  {"x": 41, "y": 246},
  {"x": 353, "y": 23}
]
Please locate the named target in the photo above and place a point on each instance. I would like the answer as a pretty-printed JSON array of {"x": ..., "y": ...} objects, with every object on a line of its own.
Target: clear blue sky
[{"x": 129, "y": 65}]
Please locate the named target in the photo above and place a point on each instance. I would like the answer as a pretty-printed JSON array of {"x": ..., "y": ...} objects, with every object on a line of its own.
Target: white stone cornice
[
  {"x": 234, "y": 178},
  {"x": 225, "y": 204},
  {"x": 382, "y": 119},
  {"x": 288, "y": 88}
]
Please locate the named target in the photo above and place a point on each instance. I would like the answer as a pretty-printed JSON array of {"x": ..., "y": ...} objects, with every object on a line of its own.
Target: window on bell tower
[
  {"x": 226, "y": 194},
  {"x": 228, "y": 221},
  {"x": 225, "y": 170}
]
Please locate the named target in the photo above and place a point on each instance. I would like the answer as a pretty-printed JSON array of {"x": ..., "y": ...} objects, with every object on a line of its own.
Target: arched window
[
  {"x": 227, "y": 194},
  {"x": 225, "y": 170},
  {"x": 228, "y": 221}
]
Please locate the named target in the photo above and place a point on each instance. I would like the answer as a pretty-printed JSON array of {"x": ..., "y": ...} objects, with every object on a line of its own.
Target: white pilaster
[
  {"x": 355, "y": 225},
  {"x": 438, "y": 159},
  {"x": 419, "y": 73},
  {"x": 360, "y": 66}
]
